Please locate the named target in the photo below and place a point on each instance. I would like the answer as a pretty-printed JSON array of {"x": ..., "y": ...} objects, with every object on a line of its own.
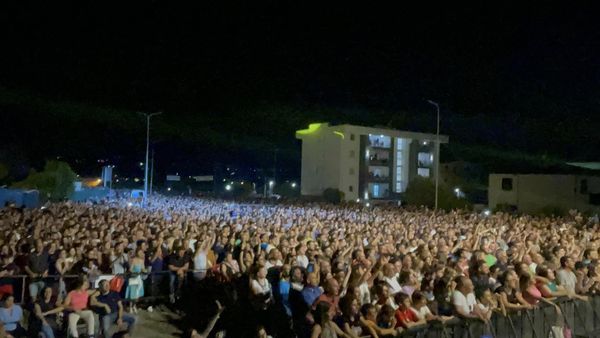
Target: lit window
[
  {"x": 425, "y": 159},
  {"x": 423, "y": 172}
]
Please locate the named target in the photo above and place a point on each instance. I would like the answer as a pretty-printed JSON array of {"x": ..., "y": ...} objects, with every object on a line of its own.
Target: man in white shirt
[
  {"x": 389, "y": 276},
  {"x": 301, "y": 259},
  {"x": 464, "y": 300},
  {"x": 565, "y": 276}
]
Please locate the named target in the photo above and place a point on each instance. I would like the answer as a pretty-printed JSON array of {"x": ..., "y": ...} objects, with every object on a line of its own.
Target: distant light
[
  {"x": 224, "y": 180},
  {"x": 228, "y": 187},
  {"x": 293, "y": 184},
  {"x": 117, "y": 180},
  {"x": 358, "y": 200},
  {"x": 487, "y": 212},
  {"x": 141, "y": 164},
  {"x": 381, "y": 135},
  {"x": 129, "y": 204},
  {"x": 242, "y": 182},
  {"x": 368, "y": 204},
  {"x": 424, "y": 143},
  {"x": 169, "y": 189},
  {"x": 136, "y": 179},
  {"x": 457, "y": 190},
  {"x": 366, "y": 195},
  {"x": 271, "y": 183}
]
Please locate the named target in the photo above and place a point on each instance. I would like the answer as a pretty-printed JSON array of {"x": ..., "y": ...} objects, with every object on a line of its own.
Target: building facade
[
  {"x": 364, "y": 163},
  {"x": 532, "y": 192}
]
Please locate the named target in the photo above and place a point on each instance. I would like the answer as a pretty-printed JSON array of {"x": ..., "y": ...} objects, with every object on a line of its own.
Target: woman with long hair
[
  {"x": 76, "y": 303},
  {"x": 135, "y": 287},
  {"x": 530, "y": 293},
  {"x": 324, "y": 326},
  {"x": 230, "y": 268},
  {"x": 510, "y": 295},
  {"x": 350, "y": 319}
]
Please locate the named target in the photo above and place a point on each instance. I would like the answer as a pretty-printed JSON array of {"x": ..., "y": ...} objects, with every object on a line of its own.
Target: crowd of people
[{"x": 289, "y": 270}]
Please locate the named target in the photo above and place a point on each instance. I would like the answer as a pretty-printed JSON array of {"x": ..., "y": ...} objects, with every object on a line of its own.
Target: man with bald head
[{"x": 331, "y": 296}]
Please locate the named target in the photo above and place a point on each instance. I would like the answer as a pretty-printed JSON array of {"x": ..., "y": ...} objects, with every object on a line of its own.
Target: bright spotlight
[
  {"x": 228, "y": 187},
  {"x": 293, "y": 185},
  {"x": 271, "y": 183},
  {"x": 169, "y": 189}
]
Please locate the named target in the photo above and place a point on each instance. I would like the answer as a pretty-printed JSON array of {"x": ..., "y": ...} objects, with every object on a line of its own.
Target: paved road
[{"x": 157, "y": 324}]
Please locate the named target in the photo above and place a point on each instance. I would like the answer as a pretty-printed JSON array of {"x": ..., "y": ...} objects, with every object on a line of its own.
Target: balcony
[
  {"x": 425, "y": 164},
  {"x": 374, "y": 161},
  {"x": 378, "y": 178}
]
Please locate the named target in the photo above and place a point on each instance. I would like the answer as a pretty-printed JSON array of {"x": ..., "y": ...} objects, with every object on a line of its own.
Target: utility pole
[
  {"x": 152, "y": 172},
  {"x": 148, "y": 116},
  {"x": 437, "y": 153}
]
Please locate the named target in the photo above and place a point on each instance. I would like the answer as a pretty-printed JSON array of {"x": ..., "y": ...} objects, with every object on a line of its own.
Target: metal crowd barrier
[
  {"x": 20, "y": 283},
  {"x": 581, "y": 317}
]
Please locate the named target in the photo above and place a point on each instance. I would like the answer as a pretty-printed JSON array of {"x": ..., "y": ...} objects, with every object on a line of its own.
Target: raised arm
[{"x": 213, "y": 321}]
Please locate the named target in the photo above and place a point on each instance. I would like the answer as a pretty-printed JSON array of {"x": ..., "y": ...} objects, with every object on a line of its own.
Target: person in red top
[
  {"x": 331, "y": 296},
  {"x": 405, "y": 317}
]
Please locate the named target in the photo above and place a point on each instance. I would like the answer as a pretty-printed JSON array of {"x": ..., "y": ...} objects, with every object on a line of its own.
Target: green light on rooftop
[
  {"x": 313, "y": 127},
  {"x": 340, "y": 134}
]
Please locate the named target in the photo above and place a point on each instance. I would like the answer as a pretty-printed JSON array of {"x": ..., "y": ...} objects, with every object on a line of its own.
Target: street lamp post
[
  {"x": 148, "y": 116},
  {"x": 437, "y": 152}
]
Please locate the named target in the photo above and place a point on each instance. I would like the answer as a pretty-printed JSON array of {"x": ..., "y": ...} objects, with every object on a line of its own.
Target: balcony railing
[{"x": 379, "y": 162}]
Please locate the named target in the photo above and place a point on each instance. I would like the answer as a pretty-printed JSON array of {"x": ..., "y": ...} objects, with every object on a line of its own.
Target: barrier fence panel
[{"x": 582, "y": 317}]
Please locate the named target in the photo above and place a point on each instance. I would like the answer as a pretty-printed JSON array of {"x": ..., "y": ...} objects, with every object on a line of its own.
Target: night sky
[{"x": 234, "y": 82}]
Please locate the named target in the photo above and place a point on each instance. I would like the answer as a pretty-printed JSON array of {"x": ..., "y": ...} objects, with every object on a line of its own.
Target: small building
[
  {"x": 364, "y": 162},
  {"x": 530, "y": 193}
]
